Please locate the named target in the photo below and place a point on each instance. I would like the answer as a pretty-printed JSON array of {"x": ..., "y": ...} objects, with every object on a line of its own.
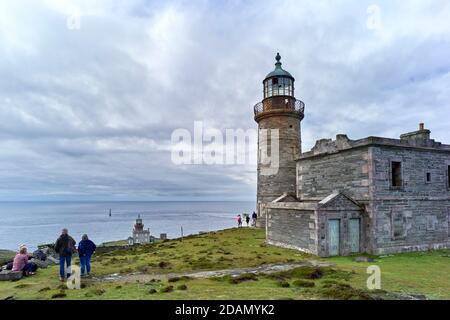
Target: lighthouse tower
[{"x": 279, "y": 138}]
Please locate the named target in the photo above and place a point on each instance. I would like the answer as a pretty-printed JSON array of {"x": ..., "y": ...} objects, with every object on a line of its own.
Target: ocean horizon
[{"x": 37, "y": 222}]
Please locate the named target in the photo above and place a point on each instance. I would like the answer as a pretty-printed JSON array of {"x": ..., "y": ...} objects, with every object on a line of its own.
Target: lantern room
[{"x": 279, "y": 82}]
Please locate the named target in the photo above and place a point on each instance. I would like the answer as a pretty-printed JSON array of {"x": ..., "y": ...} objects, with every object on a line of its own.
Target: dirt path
[{"x": 269, "y": 268}]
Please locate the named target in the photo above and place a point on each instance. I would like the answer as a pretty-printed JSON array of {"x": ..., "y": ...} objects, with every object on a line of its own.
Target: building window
[
  {"x": 448, "y": 222},
  {"x": 428, "y": 177},
  {"x": 448, "y": 177},
  {"x": 396, "y": 178},
  {"x": 398, "y": 226}
]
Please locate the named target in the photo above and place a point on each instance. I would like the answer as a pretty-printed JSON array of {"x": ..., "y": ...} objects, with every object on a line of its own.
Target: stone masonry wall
[
  {"x": 292, "y": 229},
  {"x": 319, "y": 176},
  {"x": 415, "y": 216},
  {"x": 270, "y": 187}
]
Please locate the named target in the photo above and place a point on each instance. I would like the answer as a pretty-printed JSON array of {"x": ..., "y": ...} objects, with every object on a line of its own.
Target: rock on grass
[
  {"x": 182, "y": 287},
  {"x": 99, "y": 292},
  {"x": 308, "y": 272},
  {"x": 244, "y": 277},
  {"x": 176, "y": 279},
  {"x": 343, "y": 291},
  {"x": 59, "y": 295},
  {"x": 167, "y": 289},
  {"x": 163, "y": 264},
  {"x": 283, "y": 284},
  {"x": 303, "y": 283}
]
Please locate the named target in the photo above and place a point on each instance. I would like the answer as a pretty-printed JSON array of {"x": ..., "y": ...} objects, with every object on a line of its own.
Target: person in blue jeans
[
  {"x": 65, "y": 247},
  {"x": 86, "y": 249}
]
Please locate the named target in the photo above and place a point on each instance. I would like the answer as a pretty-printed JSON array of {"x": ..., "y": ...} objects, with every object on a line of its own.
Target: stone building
[
  {"x": 139, "y": 236},
  {"x": 374, "y": 195}
]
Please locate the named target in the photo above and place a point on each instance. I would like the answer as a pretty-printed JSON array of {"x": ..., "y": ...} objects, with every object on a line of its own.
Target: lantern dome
[
  {"x": 279, "y": 82},
  {"x": 279, "y": 71}
]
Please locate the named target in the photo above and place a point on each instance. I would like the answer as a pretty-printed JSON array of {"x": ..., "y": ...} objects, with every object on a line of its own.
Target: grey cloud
[{"x": 88, "y": 113}]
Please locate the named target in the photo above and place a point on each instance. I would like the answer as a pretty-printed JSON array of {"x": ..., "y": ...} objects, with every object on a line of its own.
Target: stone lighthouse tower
[{"x": 279, "y": 139}]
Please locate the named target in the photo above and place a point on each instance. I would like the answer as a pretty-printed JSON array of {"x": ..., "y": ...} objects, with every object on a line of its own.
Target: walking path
[{"x": 268, "y": 268}]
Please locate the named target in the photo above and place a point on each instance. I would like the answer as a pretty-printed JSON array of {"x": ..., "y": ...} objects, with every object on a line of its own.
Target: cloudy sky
[{"x": 91, "y": 91}]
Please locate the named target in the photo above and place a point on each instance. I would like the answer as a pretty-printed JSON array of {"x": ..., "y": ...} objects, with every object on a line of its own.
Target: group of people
[
  {"x": 247, "y": 219},
  {"x": 65, "y": 247}
]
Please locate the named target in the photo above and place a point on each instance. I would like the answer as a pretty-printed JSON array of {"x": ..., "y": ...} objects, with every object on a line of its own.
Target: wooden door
[
  {"x": 333, "y": 237},
  {"x": 354, "y": 234}
]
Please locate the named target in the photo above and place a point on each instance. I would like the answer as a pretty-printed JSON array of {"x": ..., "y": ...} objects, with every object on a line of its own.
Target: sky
[{"x": 91, "y": 91}]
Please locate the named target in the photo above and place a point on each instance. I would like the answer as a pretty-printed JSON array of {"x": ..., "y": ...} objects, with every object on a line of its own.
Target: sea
[{"x": 34, "y": 223}]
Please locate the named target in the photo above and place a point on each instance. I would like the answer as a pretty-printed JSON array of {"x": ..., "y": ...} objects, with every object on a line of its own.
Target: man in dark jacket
[
  {"x": 86, "y": 249},
  {"x": 254, "y": 217},
  {"x": 65, "y": 247}
]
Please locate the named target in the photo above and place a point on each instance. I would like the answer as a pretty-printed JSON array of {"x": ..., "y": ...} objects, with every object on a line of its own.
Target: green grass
[
  {"x": 418, "y": 272},
  {"x": 115, "y": 243},
  {"x": 231, "y": 248},
  {"x": 425, "y": 273},
  {"x": 44, "y": 286},
  {"x": 6, "y": 255}
]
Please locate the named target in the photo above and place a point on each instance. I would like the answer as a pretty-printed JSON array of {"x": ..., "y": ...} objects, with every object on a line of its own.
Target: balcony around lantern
[{"x": 298, "y": 107}]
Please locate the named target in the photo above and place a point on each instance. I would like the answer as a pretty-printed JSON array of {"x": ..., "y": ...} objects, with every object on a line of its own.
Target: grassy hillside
[
  {"x": 6, "y": 255},
  {"x": 161, "y": 265},
  {"x": 418, "y": 272},
  {"x": 231, "y": 248}
]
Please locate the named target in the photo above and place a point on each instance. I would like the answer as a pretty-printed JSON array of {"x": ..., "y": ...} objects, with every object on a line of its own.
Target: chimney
[{"x": 420, "y": 135}]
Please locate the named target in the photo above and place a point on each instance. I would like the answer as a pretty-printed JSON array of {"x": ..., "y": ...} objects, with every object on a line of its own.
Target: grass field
[
  {"x": 6, "y": 255},
  {"x": 419, "y": 272},
  {"x": 425, "y": 273}
]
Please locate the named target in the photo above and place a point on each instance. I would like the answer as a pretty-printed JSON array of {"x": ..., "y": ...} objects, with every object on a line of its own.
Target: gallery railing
[{"x": 299, "y": 107}]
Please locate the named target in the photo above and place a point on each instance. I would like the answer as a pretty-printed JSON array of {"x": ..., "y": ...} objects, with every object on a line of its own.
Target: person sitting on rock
[
  {"x": 86, "y": 249},
  {"x": 21, "y": 263},
  {"x": 65, "y": 247}
]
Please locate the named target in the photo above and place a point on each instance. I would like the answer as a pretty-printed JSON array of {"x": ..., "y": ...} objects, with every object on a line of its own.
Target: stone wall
[
  {"x": 319, "y": 176},
  {"x": 414, "y": 216},
  {"x": 292, "y": 228},
  {"x": 271, "y": 186}
]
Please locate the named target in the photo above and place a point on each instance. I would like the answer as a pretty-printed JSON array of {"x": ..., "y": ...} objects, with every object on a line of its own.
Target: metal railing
[{"x": 299, "y": 107}]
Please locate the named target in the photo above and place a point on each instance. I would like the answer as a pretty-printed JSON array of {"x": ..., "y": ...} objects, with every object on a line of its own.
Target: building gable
[{"x": 338, "y": 200}]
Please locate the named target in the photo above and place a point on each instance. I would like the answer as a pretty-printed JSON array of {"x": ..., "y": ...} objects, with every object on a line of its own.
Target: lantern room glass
[{"x": 278, "y": 87}]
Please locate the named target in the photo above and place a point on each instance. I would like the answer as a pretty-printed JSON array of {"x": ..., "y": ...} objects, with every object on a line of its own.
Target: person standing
[
  {"x": 239, "y": 220},
  {"x": 254, "y": 217},
  {"x": 21, "y": 263},
  {"x": 65, "y": 247},
  {"x": 86, "y": 249},
  {"x": 247, "y": 219}
]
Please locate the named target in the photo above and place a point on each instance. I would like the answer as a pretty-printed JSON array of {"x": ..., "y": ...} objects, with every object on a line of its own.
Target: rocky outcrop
[{"x": 7, "y": 275}]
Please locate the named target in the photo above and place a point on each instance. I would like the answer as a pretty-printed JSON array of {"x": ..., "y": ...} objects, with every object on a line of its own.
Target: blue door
[
  {"x": 354, "y": 234},
  {"x": 333, "y": 237}
]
